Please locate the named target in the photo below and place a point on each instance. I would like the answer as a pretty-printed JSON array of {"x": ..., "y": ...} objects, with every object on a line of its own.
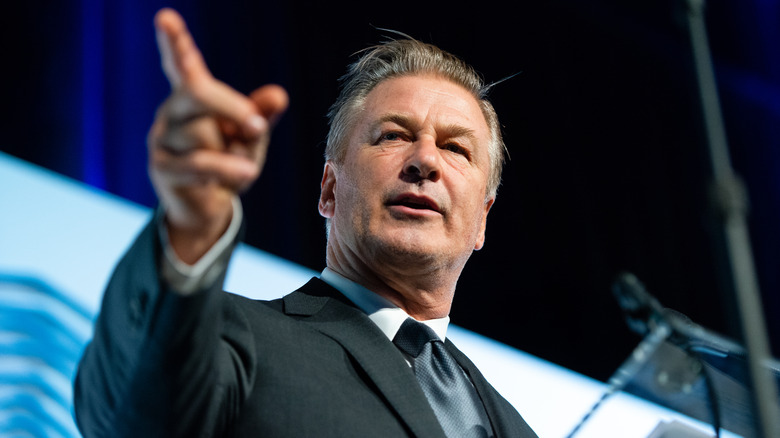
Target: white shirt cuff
[{"x": 187, "y": 279}]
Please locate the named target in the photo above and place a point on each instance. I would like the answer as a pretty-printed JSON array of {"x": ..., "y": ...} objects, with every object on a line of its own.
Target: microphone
[
  {"x": 681, "y": 365},
  {"x": 644, "y": 314},
  {"x": 643, "y": 311}
]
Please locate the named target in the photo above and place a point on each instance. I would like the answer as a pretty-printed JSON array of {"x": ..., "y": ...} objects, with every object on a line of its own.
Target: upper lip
[{"x": 415, "y": 201}]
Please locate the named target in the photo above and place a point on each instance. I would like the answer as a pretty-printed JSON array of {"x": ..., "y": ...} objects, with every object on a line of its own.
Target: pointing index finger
[
  {"x": 181, "y": 59},
  {"x": 186, "y": 69}
]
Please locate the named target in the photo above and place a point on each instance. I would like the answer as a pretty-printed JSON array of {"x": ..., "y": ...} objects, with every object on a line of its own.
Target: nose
[{"x": 423, "y": 161}]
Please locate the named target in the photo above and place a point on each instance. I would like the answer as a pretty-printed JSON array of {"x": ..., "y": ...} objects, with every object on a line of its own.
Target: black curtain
[{"x": 608, "y": 168}]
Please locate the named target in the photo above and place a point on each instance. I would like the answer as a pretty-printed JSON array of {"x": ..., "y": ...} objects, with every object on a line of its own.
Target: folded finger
[
  {"x": 182, "y": 136},
  {"x": 204, "y": 166},
  {"x": 271, "y": 101},
  {"x": 222, "y": 101}
]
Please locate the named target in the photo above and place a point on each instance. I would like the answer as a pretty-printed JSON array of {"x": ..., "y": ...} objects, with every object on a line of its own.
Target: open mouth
[{"x": 415, "y": 203}]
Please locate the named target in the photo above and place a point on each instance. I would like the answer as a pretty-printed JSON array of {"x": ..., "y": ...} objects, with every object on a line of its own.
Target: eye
[
  {"x": 391, "y": 137},
  {"x": 457, "y": 149}
]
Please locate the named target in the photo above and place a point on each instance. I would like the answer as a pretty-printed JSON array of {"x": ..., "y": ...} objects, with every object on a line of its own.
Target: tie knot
[{"x": 412, "y": 337}]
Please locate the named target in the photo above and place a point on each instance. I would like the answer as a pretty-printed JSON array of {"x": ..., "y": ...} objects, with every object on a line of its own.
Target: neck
[{"x": 422, "y": 293}]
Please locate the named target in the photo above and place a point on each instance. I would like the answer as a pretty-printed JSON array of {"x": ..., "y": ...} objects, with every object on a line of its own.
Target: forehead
[{"x": 426, "y": 99}]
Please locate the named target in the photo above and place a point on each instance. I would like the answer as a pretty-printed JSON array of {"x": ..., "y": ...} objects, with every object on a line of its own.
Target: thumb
[{"x": 272, "y": 101}]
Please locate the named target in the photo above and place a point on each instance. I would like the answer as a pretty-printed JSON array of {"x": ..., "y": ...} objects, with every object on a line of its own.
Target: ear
[
  {"x": 327, "y": 204},
  {"x": 481, "y": 238}
]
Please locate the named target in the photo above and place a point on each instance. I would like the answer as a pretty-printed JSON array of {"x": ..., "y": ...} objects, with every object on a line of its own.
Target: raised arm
[
  {"x": 208, "y": 141},
  {"x": 164, "y": 363}
]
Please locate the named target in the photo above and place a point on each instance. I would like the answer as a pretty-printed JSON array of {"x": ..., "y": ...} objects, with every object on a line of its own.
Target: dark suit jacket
[{"x": 216, "y": 364}]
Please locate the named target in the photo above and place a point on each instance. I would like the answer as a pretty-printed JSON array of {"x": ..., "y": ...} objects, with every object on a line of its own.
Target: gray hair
[{"x": 403, "y": 57}]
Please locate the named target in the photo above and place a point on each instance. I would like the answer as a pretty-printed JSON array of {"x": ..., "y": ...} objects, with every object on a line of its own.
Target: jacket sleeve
[{"x": 162, "y": 364}]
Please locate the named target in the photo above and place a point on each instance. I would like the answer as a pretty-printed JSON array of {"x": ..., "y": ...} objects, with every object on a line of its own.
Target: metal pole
[{"x": 731, "y": 199}]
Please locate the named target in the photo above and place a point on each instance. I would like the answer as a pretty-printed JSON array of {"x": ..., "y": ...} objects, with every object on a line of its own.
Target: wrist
[{"x": 191, "y": 236}]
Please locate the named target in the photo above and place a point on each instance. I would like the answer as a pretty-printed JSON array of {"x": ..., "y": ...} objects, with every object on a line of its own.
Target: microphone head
[{"x": 642, "y": 310}]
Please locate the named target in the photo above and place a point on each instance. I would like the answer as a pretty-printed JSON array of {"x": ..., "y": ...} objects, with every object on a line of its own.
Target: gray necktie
[{"x": 449, "y": 391}]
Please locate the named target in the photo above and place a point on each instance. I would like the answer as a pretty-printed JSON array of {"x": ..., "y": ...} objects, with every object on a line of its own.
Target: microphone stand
[
  {"x": 659, "y": 333},
  {"x": 731, "y": 202}
]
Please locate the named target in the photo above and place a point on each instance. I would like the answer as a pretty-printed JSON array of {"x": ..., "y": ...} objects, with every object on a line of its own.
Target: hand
[{"x": 208, "y": 141}]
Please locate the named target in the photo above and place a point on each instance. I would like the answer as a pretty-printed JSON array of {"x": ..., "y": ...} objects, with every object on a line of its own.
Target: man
[{"x": 413, "y": 162}]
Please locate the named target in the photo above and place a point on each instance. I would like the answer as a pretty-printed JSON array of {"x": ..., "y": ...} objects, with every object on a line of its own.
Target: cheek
[
  {"x": 351, "y": 194},
  {"x": 366, "y": 177},
  {"x": 458, "y": 164},
  {"x": 477, "y": 211},
  {"x": 477, "y": 219}
]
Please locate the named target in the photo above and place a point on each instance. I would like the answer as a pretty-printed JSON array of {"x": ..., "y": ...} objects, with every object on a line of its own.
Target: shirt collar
[{"x": 387, "y": 316}]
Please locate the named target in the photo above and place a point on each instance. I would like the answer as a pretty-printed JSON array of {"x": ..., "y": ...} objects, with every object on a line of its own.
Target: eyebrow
[{"x": 451, "y": 130}]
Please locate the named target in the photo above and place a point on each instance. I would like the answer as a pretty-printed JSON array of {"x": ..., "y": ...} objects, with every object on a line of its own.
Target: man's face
[{"x": 412, "y": 187}]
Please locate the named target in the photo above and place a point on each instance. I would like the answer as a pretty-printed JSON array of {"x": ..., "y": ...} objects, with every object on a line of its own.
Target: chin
[{"x": 413, "y": 247}]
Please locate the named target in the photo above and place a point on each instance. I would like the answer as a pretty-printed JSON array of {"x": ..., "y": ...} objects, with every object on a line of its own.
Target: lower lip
[{"x": 403, "y": 210}]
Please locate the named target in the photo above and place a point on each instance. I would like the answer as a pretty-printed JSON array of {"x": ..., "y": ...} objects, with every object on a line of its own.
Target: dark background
[{"x": 608, "y": 168}]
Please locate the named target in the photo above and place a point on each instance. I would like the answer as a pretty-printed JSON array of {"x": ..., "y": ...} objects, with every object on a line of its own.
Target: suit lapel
[
  {"x": 330, "y": 313},
  {"x": 490, "y": 398}
]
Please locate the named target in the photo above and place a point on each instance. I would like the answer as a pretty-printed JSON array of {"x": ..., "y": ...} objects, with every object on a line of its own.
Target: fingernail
[{"x": 257, "y": 123}]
